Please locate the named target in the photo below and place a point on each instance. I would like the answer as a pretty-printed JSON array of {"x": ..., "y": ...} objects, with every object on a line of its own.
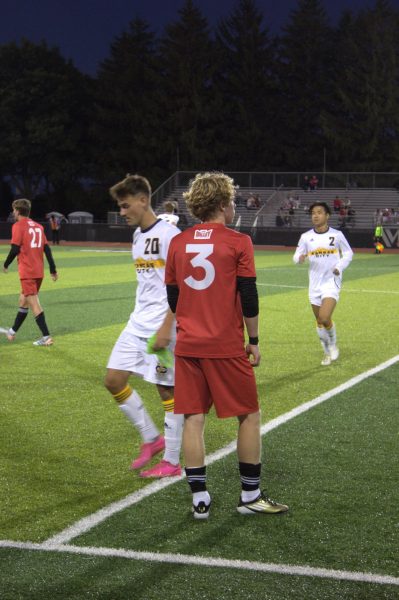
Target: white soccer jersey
[
  {"x": 326, "y": 251},
  {"x": 149, "y": 251},
  {"x": 169, "y": 218}
]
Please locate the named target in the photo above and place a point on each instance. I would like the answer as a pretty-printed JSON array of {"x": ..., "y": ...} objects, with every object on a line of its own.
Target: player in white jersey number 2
[
  {"x": 151, "y": 315},
  {"x": 329, "y": 254}
]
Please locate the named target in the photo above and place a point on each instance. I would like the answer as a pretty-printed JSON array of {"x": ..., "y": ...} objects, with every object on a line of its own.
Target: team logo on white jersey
[
  {"x": 322, "y": 252},
  {"x": 202, "y": 234}
]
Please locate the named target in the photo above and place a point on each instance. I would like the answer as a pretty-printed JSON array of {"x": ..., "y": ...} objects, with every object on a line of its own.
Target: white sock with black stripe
[{"x": 250, "y": 481}]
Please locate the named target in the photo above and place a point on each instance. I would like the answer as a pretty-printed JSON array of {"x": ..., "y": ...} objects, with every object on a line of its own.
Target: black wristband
[{"x": 254, "y": 341}]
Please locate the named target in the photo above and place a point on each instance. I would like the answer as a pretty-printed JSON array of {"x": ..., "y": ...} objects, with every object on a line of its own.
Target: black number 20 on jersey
[{"x": 151, "y": 246}]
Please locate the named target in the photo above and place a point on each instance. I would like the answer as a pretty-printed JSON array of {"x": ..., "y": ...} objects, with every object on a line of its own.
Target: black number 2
[
  {"x": 151, "y": 246},
  {"x": 331, "y": 241}
]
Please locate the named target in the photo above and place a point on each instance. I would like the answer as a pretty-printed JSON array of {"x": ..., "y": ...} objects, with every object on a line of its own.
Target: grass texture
[{"x": 65, "y": 446}]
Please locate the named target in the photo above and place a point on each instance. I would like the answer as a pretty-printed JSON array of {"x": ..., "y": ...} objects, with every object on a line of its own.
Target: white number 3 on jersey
[{"x": 202, "y": 251}]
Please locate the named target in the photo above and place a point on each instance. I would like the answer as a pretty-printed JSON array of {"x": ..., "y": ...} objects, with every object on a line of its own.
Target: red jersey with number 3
[
  {"x": 30, "y": 237},
  {"x": 204, "y": 261}
]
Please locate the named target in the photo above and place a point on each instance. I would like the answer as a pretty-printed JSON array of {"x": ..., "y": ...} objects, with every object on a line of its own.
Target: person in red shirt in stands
[
  {"x": 29, "y": 243},
  {"x": 211, "y": 286},
  {"x": 337, "y": 204}
]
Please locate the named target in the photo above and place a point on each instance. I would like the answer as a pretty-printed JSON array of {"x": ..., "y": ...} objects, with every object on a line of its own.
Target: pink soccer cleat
[
  {"x": 147, "y": 451},
  {"x": 162, "y": 469}
]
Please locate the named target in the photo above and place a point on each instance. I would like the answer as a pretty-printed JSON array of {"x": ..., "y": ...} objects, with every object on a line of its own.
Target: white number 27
[
  {"x": 202, "y": 252},
  {"x": 36, "y": 234}
]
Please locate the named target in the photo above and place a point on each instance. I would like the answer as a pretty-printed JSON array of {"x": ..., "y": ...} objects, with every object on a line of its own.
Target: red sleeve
[
  {"x": 246, "y": 261},
  {"x": 16, "y": 235}
]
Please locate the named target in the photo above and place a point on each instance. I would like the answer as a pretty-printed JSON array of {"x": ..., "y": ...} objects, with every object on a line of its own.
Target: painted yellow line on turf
[
  {"x": 87, "y": 523},
  {"x": 207, "y": 561},
  {"x": 305, "y": 287}
]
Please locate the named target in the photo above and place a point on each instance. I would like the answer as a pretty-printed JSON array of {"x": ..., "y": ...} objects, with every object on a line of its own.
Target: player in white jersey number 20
[
  {"x": 151, "y": 315},
  {"x": 329, "y": 254}
]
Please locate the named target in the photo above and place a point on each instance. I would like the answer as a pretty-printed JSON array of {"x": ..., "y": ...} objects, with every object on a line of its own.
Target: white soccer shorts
[
  {"x": 330, "y": 289},
  {"x": 130, "y": 354}
]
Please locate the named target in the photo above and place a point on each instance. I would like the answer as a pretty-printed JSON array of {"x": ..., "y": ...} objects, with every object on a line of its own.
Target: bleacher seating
[{"x": 365, "y": 201}]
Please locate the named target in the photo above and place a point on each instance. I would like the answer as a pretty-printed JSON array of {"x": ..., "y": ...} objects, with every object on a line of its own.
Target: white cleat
[
  {"x": 326, "y": 360},
  {"x": 334, "y": 352},
  {"x": 9, "y": 333},
  {"x": 44, "y": 341}
]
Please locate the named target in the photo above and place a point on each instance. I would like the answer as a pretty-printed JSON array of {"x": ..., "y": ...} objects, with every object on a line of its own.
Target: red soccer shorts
[
  {"x": 228, "y": 383},
  {"x": 31, "y": 287}
]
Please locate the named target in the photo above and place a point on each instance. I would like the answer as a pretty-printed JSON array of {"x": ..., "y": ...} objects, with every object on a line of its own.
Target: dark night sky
[{"x": 84, "y": 29}]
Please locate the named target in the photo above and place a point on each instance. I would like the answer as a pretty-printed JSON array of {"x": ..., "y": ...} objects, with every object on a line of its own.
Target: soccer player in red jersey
[
  {"x": 29, "y": 243},
  {"x": 211, "y": 286}
]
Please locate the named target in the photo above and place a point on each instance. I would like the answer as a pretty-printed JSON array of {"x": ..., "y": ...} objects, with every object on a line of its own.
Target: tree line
[{"x": 232, "y": 97}]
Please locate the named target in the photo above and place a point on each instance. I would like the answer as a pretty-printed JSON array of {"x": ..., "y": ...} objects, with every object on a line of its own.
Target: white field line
[
  {"x": 207, "y": 561},
  {"x": 108, "y": 251},
  {"x": 305, "y": 287},
  {"x": 87, "y": 523}
]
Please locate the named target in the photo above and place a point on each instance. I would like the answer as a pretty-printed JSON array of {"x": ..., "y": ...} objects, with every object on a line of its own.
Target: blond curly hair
[{"x": 207, "y": 193}]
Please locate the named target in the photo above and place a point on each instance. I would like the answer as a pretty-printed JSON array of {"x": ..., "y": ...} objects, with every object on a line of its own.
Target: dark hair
[
  {"x": 322, "y": 204},
  {"x": 131, "y": 185}
]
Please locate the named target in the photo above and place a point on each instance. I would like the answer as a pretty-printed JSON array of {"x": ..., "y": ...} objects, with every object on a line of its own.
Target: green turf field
[{"x": 65, "y": 450}]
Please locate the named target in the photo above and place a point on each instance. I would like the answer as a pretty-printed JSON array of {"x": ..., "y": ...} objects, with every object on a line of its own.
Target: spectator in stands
[
  {"x": 313, "y": 183},
  {"x": 386, "y": 215},
  {"x": 337, "y": 204},
  {"x": 55, "y": 226},
  {"x": 291, "y": 214},
  {"x": 351, "y": 217},
  {"x": 343, "y": 213},
  {"x": 377, "y": 216},
  {"x": 280, "y": 218},
  {"x": 251, "y": 202},
  {"x": 306, "y": 184},
  {"x": 347, "y": 202}
]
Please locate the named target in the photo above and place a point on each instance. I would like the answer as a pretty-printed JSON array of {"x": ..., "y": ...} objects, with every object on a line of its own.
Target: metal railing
[{"x": 286, "y": 179}]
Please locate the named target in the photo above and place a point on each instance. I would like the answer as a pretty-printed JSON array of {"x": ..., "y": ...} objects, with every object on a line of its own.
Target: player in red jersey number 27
[{"x": 28, "y": 244}]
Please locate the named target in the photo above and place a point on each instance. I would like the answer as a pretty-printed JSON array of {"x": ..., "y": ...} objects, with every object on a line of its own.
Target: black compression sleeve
[
  {"x": 249, "y": 296},
  {"x": 11, "y": 255},
  {"x": 173, "y": 296},
  {"x": 50, "y": 260}
]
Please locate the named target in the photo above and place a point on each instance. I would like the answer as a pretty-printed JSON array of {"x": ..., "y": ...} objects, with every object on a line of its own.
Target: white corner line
[
  {"x": 87, "y": 523},
  {"x": 207, "y": 561}
]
